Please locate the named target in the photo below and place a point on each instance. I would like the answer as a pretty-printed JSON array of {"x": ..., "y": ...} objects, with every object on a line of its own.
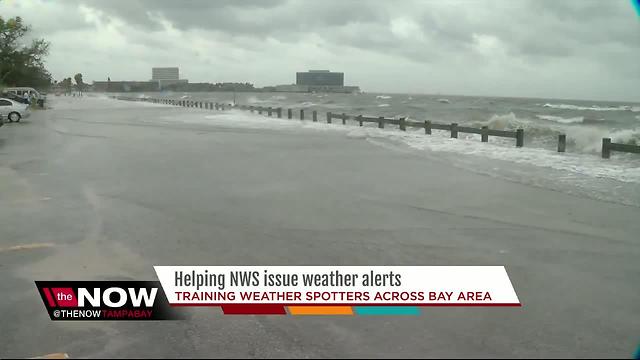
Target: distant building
[
  {"x": 317, "y": 81},
  {"x": 165, "y": 76},
  {"x": 320, "y": 78},
  {"x": 165, "y": 73}
]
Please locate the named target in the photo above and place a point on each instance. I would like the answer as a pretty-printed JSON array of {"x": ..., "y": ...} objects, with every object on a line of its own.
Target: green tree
[
  {"x": 79, "y": 83},
  {"x": 22, "y": 64},
  {"x": 66, "y": 84}
]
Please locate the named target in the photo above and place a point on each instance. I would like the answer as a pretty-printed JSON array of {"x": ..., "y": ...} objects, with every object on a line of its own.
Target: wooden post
[
  {"x": 454, "y": 130},
  {"x": 485, "y": 134},
  {"x": 289, "y": 113},
  {"x": 606, "y": 148},
  {"x": 519, "y": 138},
  {"x": 301, "y": 114},
  {"x": 403, "y": 125},
  {"x": 222, "y": 107},
  {"x": 279, "y": 113},
  {"x": 315, "y": 116},
  {"x": 360, "y": 120},
  {"x": 344, "y": 119},
  {"x": 427, "y": 127},
  {"x": 329, "y": 118},
  {"x": 562, "y": 142},
  {"x": 270, "y": 111},
  {"x": 260, "y": 110},
  {"x": 381, "y": 122}
]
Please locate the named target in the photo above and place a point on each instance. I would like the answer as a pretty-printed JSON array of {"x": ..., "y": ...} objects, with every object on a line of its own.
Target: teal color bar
[{"x": 386, "y": 310}]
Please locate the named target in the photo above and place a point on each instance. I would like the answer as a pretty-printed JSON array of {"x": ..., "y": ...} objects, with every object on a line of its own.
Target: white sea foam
[
  {"x": 593, "y": 107},
  {"x": 581, "y": 166},
  {"x": 383, "y": 97},
  {"x": 383, "y": 105},
  {"x": 559, "y": 119}
]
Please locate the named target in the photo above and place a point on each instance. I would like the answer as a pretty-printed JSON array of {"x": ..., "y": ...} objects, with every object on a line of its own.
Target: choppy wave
[
  {"x": 383, "y": 105},
  {"x": 593, "y": 107},
  {"x": 383, "y": 97},
  {"x": 587, "y": 139},
  {"x": 560, "y": 119}
]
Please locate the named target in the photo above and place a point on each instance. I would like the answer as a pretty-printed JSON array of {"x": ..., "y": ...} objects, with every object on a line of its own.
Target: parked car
[
  {"x": 12, "y": 110},
  {"x": 27, "y": 93}
]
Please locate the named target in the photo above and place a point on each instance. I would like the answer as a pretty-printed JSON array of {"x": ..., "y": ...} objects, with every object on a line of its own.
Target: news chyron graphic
[
  {"x": 106, "y": 300},
  {"x": 282, "y": 290}
]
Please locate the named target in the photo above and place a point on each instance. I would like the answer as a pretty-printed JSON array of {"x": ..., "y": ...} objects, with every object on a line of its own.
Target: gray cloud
[{"x": 506, "y": 43}]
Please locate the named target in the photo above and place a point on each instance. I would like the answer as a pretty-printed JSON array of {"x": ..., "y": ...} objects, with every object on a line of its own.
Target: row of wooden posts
[{"x": 402, "y": 123}]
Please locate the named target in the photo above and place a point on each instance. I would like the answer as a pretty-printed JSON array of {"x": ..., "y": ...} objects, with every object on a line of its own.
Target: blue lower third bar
[{"x": 386, "y": 310}]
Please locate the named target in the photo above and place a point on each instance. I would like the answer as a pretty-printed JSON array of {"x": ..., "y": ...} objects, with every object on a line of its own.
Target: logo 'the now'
[{"x": 116, "y": 297}]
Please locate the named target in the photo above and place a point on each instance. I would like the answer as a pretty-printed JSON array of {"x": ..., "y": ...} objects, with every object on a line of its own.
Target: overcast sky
[{"x": 575, "y": 49}]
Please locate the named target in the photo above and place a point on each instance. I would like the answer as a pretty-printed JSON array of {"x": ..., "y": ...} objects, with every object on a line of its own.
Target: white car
[{"x": 13, "y": 111}]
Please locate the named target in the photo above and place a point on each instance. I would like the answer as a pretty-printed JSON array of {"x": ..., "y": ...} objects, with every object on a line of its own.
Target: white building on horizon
[{"x": 167, "y": 76}]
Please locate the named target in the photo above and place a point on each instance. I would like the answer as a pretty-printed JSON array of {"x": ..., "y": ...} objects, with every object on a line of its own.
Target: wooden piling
[
  {"x": 454, "y": 130},
  {"x": 606, "y": 148},
  {"x": 315, "y": 115},
  {"x": 562, "y": 142},
  {"x": 519, "y": 138},
  {"x": 485, "y": 134}
]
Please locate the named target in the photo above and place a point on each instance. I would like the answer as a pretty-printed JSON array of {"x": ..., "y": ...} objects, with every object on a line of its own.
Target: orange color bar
[{"x": 320, "y": 310}]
